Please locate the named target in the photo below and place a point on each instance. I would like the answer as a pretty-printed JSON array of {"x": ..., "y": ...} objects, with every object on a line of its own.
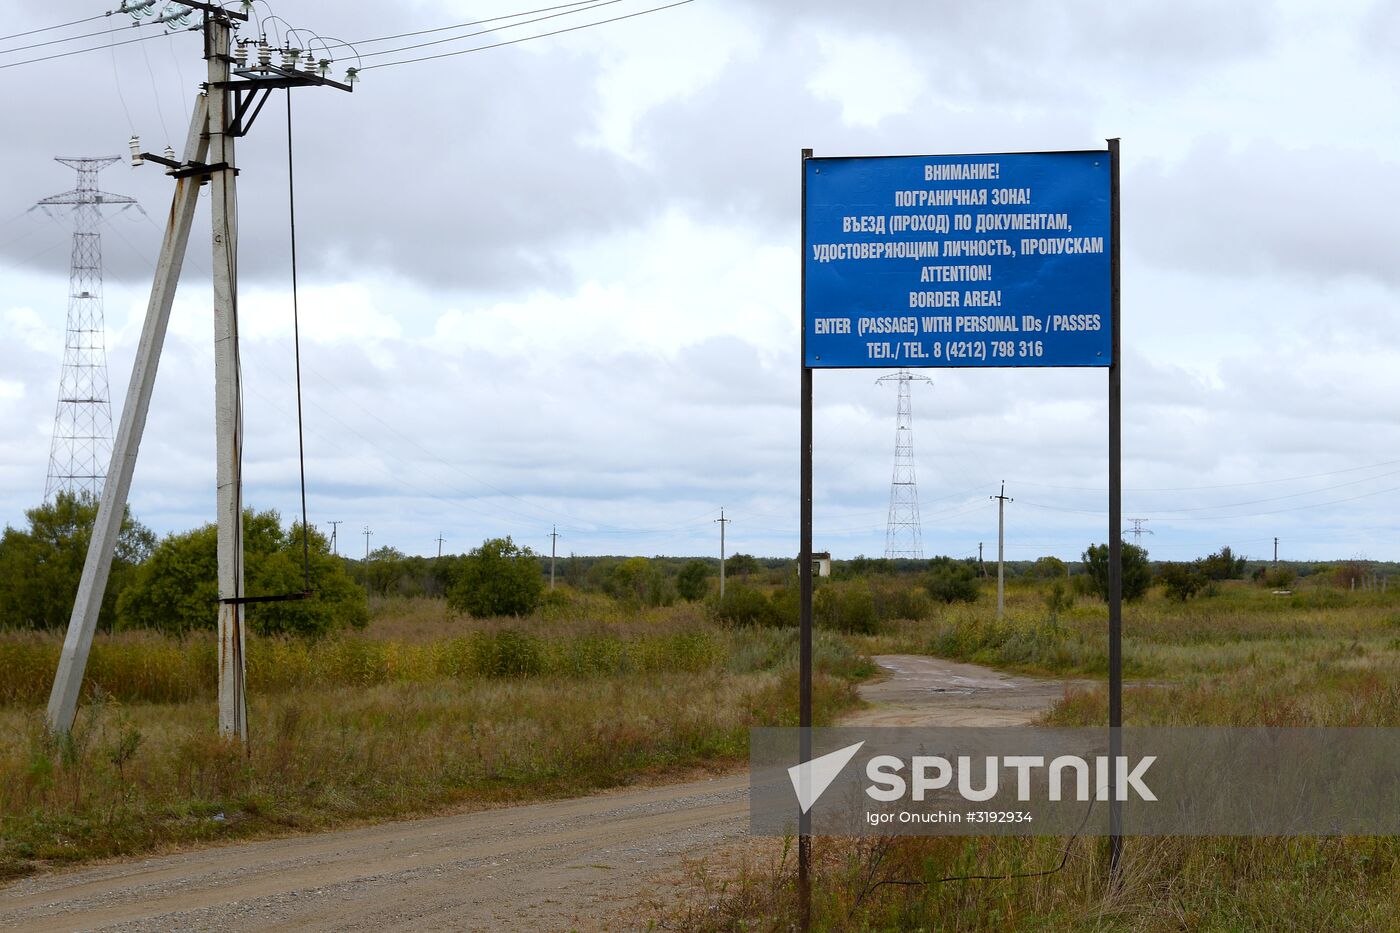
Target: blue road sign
[{"x": 958, "y": 260}]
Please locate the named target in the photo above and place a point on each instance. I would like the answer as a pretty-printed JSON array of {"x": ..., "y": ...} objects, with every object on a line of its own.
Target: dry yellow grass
[
  {"x": 1243, "y": 657},
  {"x": 369, "y": 726}
]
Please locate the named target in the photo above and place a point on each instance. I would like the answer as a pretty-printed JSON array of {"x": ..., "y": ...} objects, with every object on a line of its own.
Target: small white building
[{"x": 821, "y": 563}]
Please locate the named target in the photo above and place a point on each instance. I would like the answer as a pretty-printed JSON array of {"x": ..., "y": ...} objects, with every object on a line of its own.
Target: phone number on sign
[{"x": 956, "y": 350}]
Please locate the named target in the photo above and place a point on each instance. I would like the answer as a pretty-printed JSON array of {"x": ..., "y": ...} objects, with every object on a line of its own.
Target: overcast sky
[{"x": 557, "y": 282}]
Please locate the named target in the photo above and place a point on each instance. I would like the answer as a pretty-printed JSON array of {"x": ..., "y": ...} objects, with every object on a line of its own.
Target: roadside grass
[
  {"x": 1242, "y": 625},
  {"x": 367, "y": 727},
  {"x": 1321, "y": 657},
  {"x": 144, "y": 667},
  {"x": 1168, "y": 885}
]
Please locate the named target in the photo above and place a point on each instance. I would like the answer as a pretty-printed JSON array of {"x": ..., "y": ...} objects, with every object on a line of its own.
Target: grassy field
[
  {"x": 416, "y": 714},
  {"x": 420, "y": 713},
  {"x": 1241, "y": 657}
]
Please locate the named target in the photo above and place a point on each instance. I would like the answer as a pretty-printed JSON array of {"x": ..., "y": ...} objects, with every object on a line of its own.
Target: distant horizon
[{"x": 1291, "y": 563}]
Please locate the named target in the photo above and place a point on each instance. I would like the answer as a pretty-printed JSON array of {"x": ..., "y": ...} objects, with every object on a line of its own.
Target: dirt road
[{"x": 572, "y": 864}]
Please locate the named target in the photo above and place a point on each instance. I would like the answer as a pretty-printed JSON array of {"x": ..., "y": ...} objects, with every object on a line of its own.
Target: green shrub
[
  {"x": 1222, "y": 565},
  {"x": 951, "y": 581},
  {"x": 1058, "y": 599},
  {"x": 848, "y": 607},
  {"x": 40, "y": 568},
  {"x": 1137, "y": 573},
  {"x": 910, "y": 602},
  {"x": 742, "y": 605},
  {"x": 1182, "y": 581},
  {"x": 497, "y": 579},
  {"x": 692, "y": 582},
  {"x": 637, "y": 581},
  {"x": 1276, "y": 578},
  {"x": 175, "y": 591},
  {"x": 787, "y": 605}
]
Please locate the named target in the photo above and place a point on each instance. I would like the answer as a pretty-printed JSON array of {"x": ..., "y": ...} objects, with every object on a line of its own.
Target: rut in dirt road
[{"x": 571, "y": 864}]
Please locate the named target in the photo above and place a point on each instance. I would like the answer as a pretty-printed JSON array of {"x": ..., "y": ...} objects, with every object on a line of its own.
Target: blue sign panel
[{"x": 958, "y": 260}]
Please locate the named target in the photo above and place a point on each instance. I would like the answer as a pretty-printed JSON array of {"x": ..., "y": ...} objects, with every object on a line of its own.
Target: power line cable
[
  {"x": 547, "y": 516},
  {"x": 459, "y": 502},
  {"x": 1260, "y": 482},
  {"x": 86, "y": 35},
  {"x": 543, "y": 35},
  {"x": 543, "y": 515},
  {"x": 351, "y": 429},
  {"x": 96, "y": 48},
  {"x": 21, "y": 231},
  {"x": 1216, "y": 518},
  {"x": 468, "y": 25},
  {"x": 117, "y": 85},
  {"x": 1235, "y": 505},
  {"x": 599, "y": 529},
  {"x": 1295, "y": 508},
  {"x": 155, "y": 94},
  {"x": 482, "y": 32},
  {"x": 865, "y": 529},
  {"x": 1292, "y": 495},
  {"x": 180, "y": 74},
  {"x": 76, "y": 22}
]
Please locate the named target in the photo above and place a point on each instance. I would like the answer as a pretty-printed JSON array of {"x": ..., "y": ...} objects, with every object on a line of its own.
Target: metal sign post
[
  {"x": 804, "y": 578},
  {"x": 978, "y": 260},
  {"x": 1115, "y": 537}
]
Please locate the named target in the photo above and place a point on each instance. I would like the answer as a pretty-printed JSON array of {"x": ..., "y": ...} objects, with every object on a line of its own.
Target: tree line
[{"x": 168, "y": 584}]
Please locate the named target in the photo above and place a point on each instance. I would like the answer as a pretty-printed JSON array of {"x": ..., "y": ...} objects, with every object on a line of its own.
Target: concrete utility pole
[
  {"x": 1001, "y": 548},
  {"x": 981, "y": 567},
  {"x": 228, "y": 409},
  {"x": 1275, "y": 552},
  {"x": 225, "y": 110},
  {"x": 439, "y": 543},
  {"x": 335, "y": 526},
  {"x": 366, "y": 533},
  {"x": 72, "y": 662},
  {"x": 553, "y": 542},
  {"x": 722, "y": 522}
]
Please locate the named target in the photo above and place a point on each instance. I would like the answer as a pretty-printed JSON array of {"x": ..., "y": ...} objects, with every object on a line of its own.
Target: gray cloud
[
  {"x": 1258, "y": 287},
  {"x": 1318, "y": 212}
]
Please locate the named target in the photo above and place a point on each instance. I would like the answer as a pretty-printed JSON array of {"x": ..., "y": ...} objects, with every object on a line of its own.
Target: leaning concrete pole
[
  {"x": 228, "y": 415},
  {"x": 68, "y": 682}
]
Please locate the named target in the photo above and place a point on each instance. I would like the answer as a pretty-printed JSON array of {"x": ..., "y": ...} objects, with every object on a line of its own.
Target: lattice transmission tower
[
  {"x": 902, "y": 535},
  {"x": 82, "y": 422},
  {"x": 1138, "y": 531}
]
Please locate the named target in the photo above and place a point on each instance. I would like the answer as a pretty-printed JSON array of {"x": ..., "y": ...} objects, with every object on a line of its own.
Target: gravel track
[{"x": 560, "y": 865}]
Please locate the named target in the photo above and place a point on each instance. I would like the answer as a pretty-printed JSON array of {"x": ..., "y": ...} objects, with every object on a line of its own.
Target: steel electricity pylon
[
  {"x": 1138, "y": 531},
  {"x": 902, "y": 535},
  {"x": 82, "y": 421}
]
